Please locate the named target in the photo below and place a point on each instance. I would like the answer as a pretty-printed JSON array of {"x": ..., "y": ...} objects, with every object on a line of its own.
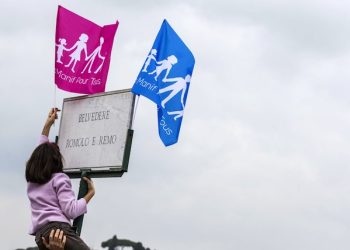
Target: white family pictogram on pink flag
[{"x": 83, "y": 53}]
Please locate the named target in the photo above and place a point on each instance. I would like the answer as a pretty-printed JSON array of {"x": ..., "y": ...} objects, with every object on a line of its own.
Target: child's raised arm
[{"x": 49, "y": 121}]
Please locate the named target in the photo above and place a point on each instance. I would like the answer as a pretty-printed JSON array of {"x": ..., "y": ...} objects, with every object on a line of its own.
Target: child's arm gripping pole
[{"x": 83, "y": 189}]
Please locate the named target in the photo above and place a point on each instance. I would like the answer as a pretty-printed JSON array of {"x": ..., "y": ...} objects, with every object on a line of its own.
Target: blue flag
[{"x": 165, "y": 79}]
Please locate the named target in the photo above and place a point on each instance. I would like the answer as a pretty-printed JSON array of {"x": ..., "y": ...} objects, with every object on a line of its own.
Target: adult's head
[
  {"x": 83, "y": 37},
  {"x": 101, "y": 40},
  {"x": 172, "y": 59},
  {"x": 45, "y": 160},
  {"x": 188, "y": 78}
]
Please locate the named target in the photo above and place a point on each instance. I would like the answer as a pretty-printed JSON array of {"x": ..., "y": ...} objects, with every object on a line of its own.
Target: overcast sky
[{"x": 262, "y": 161}]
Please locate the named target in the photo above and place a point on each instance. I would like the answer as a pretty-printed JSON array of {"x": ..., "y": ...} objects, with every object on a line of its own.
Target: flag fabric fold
[
  {"x": 164, "y": 79},
  {"x": 83, "y": 52}
]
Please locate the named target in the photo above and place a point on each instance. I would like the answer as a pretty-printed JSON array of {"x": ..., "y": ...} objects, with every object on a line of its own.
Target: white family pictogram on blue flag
[{"x": 165, "y": 79}]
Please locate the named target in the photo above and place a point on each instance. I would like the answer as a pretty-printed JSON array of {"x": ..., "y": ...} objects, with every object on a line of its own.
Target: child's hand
[
  {"x": 91, "y": 186},
  {"x": 49, "y": 121},
  {"x": 91, "y": 189},
  {"x": 52, "y": 116}
]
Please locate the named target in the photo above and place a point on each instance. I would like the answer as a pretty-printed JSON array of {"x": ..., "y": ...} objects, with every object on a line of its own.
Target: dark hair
[{"x": 45, "y": 160}]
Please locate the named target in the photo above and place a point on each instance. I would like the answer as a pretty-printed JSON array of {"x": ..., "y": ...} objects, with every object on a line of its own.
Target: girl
[
  {"x": 150, "y": 57},
  {"x": 50, "y": 193},
  {"x": 60, "y": 49}
]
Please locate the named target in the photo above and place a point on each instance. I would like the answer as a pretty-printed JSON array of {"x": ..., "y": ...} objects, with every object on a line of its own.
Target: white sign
[{"x": 94, "y": 128}]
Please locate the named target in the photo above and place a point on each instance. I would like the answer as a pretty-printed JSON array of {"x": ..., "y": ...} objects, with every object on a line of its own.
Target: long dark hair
[{"x": 45, "y": 160}]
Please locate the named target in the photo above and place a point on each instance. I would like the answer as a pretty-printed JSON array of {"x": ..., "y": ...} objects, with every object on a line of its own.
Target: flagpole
[
  {"x": 55, "y": 96},
  {"x": 54, "y": 91},
  {"x": 135, "y": 109}
]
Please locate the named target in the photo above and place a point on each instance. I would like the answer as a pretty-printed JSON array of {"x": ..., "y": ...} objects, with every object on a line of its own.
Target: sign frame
[{"x": 103, "y": 171}]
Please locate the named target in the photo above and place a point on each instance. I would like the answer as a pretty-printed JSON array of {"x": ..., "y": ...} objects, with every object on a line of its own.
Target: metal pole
[{"x": 83, "y": 189}]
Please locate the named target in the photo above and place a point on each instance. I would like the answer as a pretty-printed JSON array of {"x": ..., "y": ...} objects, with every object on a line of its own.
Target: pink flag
[{"x": 83, "y": 53}]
